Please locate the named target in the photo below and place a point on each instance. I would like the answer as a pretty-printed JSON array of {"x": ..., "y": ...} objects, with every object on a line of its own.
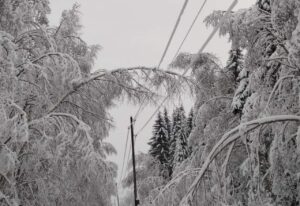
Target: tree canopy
[
  {"x": 245, "y": 142},
  {"x": 54, "y": 109}
]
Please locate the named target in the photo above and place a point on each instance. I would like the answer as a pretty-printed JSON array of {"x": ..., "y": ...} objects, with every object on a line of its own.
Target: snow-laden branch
[
  {"x": 176, "y": 180},
  {"x": 87, "y": 111},
  {"x": 66, "y": 115},
  {"x": 98, "y": 75},
  {"x": 275, "y": 88},
  {"x": 95, "y": 76},
  {"x": 227, "y": 139},
  {"x": 73, "y": 117},
  {"x": 34, "y": 61},
  {"x": 42, "y": 57}
]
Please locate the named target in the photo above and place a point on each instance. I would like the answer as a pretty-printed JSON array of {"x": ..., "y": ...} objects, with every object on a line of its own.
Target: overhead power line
[
  {"x": 124, "y": 156},
  {"x": 200, "y": 51},
  {"x": 160, "y": 62},
  {"x": 165, "y": 50},
  {"x": 127, "y": 161},
  {"x": 190, "y": 29},
  {"x": 139, "y": 110},
  {"x": 173, "y": 32},
  {"x": 186, "y": 70}
]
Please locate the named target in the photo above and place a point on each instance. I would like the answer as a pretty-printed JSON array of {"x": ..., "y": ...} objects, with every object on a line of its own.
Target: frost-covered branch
[
  {"x": 42, "y": 57},
  {"x": 89, "y": 112},
  {"x": 275, "y": 88},
  {"x": 97, "y": 75},
  {"x": 227, "y": 139}
]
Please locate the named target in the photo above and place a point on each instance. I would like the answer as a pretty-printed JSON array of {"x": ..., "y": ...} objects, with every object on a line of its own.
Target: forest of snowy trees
[
  {"x": 245, "y": 139},
  {"x": 238, "y": 146},
  {"x": 54, "y": 110}
]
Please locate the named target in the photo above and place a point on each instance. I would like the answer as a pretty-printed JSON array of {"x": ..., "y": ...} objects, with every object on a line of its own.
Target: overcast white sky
[{"x": 135, "y": 32}]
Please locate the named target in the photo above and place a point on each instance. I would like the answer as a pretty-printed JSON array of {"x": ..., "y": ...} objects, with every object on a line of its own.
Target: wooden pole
[{"x": 136, "y": 201}]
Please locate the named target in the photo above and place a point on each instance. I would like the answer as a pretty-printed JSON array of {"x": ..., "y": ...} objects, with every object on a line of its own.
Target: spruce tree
[
  {"x": 190, "y": 123},
  {"x": 179, "y": 147},
  {"x": 240, "y": 75},
  {"x": 159, "y": 144},
  {"x": 168, "y": 127},
  {"x": 175, "y": 120},
  {"x": 189, "y": 127},
  {"x": 235, "y": 63},
  {"x": 167, "y": 123}
]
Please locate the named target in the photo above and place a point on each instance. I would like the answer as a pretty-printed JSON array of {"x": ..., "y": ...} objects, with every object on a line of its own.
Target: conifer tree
[
  {"x": 168, "y": 127},
  {"x": 255, "y": 158},
  {"x": 159, "y": 145},
  {"x": 179, "y": 148},
  {"x": 235, "y": 62},
  {"x": 240, "y": 76},
  {"x": 175, "y": 120},
  {"x": 167, "y": 123},
  {"x": 190, "y": 123}
]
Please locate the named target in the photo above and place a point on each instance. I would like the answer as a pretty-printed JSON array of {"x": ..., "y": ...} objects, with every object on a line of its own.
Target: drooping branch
[
  {"x": 87, "y": 111},
  {"x": 225, "y": 163},
  {"x": 275, "y": 87},
  {"x": 42, "y": 57},
  {"x": 227, "y": 139},
  {"x": 98, "y": 75},
  {"x": 175, "y": 180},
  {"x": 67, "y": 115},
  {"x": 75, "y": 37}
]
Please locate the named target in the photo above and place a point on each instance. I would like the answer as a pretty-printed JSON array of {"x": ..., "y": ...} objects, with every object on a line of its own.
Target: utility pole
[{"x": 136, "y": 201}]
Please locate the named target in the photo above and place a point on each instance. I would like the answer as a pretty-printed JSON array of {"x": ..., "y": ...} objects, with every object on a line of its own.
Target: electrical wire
[
  {"x": 163, "y": 55},
  {"x": 186, "y": 70},
  {"x": 168, "y": 44},
  {"x": 160, "y": 62},
  {"x": 124, "y": 156},
  {"x": 141, "y": 108},
  {"x": 165, "y": 51},
  {"x": 190, "y": 29},
  {"x": 128, "y": 158},
  {"x": 173, "y": 32}
]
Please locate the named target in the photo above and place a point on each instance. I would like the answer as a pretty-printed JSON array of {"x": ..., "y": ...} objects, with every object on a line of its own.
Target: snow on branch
[
  {"x": 175, "y": 180},
  {"x": 275, "y": 88},
  {"x": 58, "y": 54},
  {"x": 227, "y": 139},
  {"x": 95, "y": 76}
]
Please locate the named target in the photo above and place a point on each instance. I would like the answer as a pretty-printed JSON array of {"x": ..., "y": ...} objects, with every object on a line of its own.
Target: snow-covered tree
[
  {"x": 148, "y": 176},
  {"x": 250, "y": 158},
  {"x": 167, "y": 123},
  {"x": 54, "y": 117},
  {"x": 179, "y": 147},
  {"x": 159, "y": 143},
  {"x": 242, "y": 92},
  {"x": 52, "y": 138},
  {"x": 235, "y": 63},
  {"x": 258, "y": 169},
  {"x": 190, "y": 122}
]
